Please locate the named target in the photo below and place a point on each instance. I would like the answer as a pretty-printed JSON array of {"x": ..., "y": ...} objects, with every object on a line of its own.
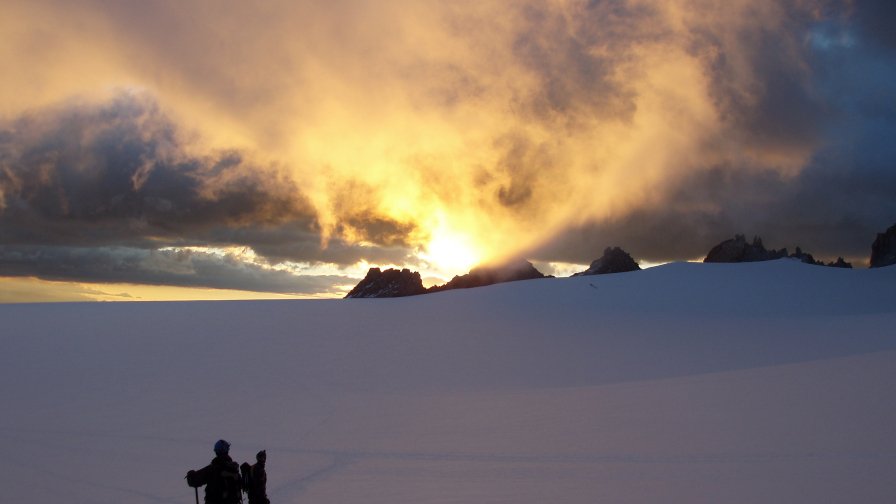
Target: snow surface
[{"x": 686, "y": 383}]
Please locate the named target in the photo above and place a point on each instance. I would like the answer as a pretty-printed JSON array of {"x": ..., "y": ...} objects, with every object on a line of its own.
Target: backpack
[{"x": 230, "y": 484}]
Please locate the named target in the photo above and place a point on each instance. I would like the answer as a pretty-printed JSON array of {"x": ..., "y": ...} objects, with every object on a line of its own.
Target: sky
[{"x": 217, "y": 149}]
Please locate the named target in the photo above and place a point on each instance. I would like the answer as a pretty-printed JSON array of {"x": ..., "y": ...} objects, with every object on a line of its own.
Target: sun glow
[{"x": 451, "y": 253}]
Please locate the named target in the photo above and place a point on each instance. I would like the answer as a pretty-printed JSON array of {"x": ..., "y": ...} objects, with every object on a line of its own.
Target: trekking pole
[{"x": 197, "y": 494}]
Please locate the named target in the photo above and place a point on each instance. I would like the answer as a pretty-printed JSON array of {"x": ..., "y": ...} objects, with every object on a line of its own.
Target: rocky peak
[
  {"x": 395, "y": 283},
  {"x": 738, "y": 250},
  {"x": 614, "y": 260},
  {"x": 883, "y": 250},
  {"x": 487, "y": 275},
  {"x": 840, "y": 263},
  {"x": 389, "y": 283}
]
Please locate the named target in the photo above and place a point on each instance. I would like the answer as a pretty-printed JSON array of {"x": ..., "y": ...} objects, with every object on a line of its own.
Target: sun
[{"x": 451, "y": 253}]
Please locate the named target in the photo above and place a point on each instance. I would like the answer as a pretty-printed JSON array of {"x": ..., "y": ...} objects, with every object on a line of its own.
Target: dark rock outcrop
[
  {"x": 808, "y": 259},
  {"x": 489, "y": 275},
  {"x": 395, "y": 283},
  {"x": 614, "y": 260},
  {"x": 738, "y": 250},
  {"x": 805, "y": 257},
  {"x": 883, "y": 250},
  {"x": 389, "y": 283},
  {"x": 840, "y": 263}
]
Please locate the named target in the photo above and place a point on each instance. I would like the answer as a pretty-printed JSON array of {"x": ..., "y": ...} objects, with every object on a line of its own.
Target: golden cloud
[{"x": 481, "y": 128}]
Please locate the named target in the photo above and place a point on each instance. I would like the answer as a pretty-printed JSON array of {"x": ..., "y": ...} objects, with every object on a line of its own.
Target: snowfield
[{"x": 687, "y": 383}]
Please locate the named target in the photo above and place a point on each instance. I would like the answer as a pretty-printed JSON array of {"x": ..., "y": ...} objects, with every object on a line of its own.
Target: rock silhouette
[
  {"x": 489, "y": 275},
  {"x": 389, "y": 283},
  {"x": 614, "y": 260},
  {"x": 738, "y": 250},
  {"x": 395, "y": 283},
  {"x": 883, "y": 250},
  {"x": 401, "y": 283}
]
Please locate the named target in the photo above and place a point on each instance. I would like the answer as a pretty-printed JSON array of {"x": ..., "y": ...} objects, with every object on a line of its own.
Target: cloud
[
  {"x": 380, "y": 128},
  {"x": 829, "y": 214},
  {"x": 119, "y": 171},
  {"x": 824, "y": 96},
  {"x": 28, "y": 290},
  {"x": 182, "y": 268},
  {"x": 90, "y": 191},
  {"x": 874, "y": 20},
  {"x": 834, "y": 207}
]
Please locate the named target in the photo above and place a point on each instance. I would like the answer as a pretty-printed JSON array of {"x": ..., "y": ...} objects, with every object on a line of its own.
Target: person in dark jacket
[
  {"x": 257, "y": 491},
  {"x": 221, "y": 478}
]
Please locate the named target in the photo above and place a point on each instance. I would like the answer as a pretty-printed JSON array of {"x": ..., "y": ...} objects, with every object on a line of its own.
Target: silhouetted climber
[
  {"x": 255, "y": 480},
  {"x": 221, "y": 478}
]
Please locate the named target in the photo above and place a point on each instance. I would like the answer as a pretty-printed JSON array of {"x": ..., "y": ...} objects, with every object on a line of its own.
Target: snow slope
[{"x": 688, "y": 383}]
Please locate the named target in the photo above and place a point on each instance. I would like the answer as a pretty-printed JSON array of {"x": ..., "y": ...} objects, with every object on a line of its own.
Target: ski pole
[{"x": 197, "y": 494}]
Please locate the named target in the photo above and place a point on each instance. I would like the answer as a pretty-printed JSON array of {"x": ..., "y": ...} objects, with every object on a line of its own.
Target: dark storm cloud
[
  {"x": 354, "y": 208},
  {"x": 181, "y": 268},
  {"x": 118, "y": 173},
  {"x": 289, "y": 243},
  {"x": 87, "y": 184},
  {"x": 833, "y": 208},
  {"x": 875, "y": 18},
  {"x": 828, "y": 213},
  {"x": 774, "y": 106}
]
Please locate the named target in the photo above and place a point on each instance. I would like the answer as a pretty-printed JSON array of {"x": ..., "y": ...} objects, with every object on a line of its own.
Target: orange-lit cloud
[{"x": 429, "y": 132}]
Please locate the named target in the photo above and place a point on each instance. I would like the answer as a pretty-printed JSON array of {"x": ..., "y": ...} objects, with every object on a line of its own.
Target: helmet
[{"x": 222, "y": 447}]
